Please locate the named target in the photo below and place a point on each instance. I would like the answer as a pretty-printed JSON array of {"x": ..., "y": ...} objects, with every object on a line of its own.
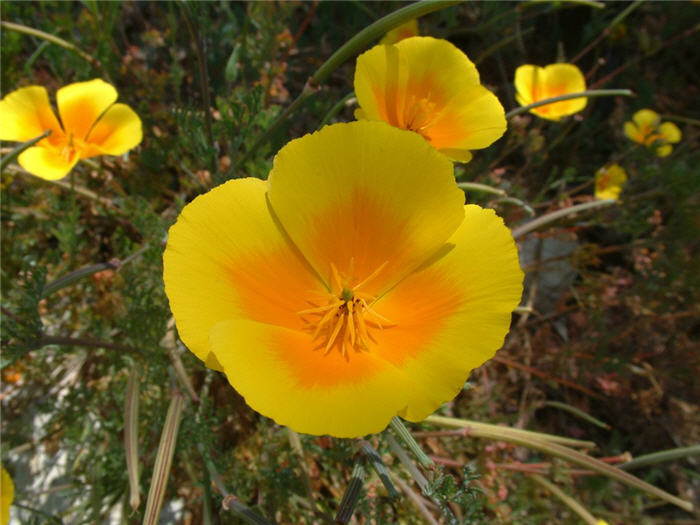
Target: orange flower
[
  {"x": 91, "y": 124},
  {"x": 351, "y": 287},
  {"x": 534, "y": 83},
  {"x": 429, "y": 86}
]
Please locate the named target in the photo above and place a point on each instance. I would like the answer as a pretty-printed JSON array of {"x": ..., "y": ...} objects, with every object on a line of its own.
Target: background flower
[
  {"x": 91, "y": 124},
  {"x": 353, "y": 287},
  {"x": 646, "y": 128},
  {"x": 535, "y": 83},
  {"x": 429, "y": 86},
  {"x": 609, "y": 181}
]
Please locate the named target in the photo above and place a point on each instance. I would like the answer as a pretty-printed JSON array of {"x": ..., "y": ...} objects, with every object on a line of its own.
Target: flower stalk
[
  {"x": 590, "y": 93},
  {"x": 567, "y": 500},
  {"x": 405, "y": 434},
  {"x": 164, "y": 458},
  {"x": 352, "y": 492},
  {"x": 131, "y": 440},
  {"x": 556, "y": 215},
  {"x": 19, "y": 149}
]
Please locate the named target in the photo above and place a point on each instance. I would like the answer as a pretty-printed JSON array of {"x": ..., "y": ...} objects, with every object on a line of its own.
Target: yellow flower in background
[
  {"x": 429, "y": 86},
  {"x": 7, "y": 495},
  {"x": 351, "y": 287},
  {"x": 406, "y": 30},
  {"x": 646, "y": 128},
  {"x": 91, "y": 124},
  {"x": 609, "y": 181},
  {"x": 535, "y": 83}
]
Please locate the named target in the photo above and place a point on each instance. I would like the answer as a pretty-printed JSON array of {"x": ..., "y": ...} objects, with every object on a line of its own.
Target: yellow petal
[
  {"x": 80, "y": 105},
  {"x": 429, "y": 86},
  {"x": 534, "y": 83},
  {"x": 116, "y": 132},
  {"x": 47, "y": 162},
  {"x": 26, "y": 113},
  {"x": 669, "y": 132},
  {"x": 226, "y": 258},
  {"x": 405, "y": 30},
  {"x": 452, "y": 314},
  {"x": 282, "y": 377},
  {"x": 646, "y": 120},
  {"x": 664, "y": 150},
  {"x": 363, "y": 194},
  {"x": 633, "y": 132},
  {"x": 7, "y": 495},
  {"x": 609, "y": 181},
  {"x": 527, "y": 84}
]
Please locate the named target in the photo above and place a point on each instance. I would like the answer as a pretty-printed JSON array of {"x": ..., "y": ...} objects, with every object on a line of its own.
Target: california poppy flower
[
  {"x": 609, "y": 181},
  {"x": 405, "y": 30},
  {"x": 535, "y": 83},
  {"x": 646, "y": 128},
  {"x": 429, "y": 86},
  {"x": 351, "y": 287},
  {"x": 91, "y": 124}
]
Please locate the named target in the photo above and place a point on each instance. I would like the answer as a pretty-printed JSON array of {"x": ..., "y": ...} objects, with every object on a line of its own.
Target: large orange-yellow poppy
[
  {"x": 91, "y": 124},
  {"x": 535, "y": 83},
  {"x": 351, "y": 287},
  {"x": 429, "y": 86}
]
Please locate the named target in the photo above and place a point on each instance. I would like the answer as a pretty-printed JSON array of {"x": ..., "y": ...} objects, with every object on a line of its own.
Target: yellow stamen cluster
[{"x": 347, "y": 317}]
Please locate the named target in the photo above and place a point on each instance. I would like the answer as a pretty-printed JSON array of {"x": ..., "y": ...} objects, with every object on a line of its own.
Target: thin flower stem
[
  {"x": 659, "y": 457},
  {"x": 51, "y": 38},
  {"x": 131, "y": 443},
  {"x": 295, "y": 443},
  {"x": 475, "y": 186},
  {"x": 619, "y": 18},
  {"x": 19, "y": 149},
  {"x": 416, "y": 474},
  {"x": 572, "y": 456},
  {"x": 678, "y": 118},
  {"x": 588, "y": 3},
  {"x": 86, "y": 342},
  {"x": 375, "y": 460},
  {"x": 567, "y": 500},
  {"x": 556, "y": 215},
  {"x": 403, "y": 432},
  {"x": 357, "y": 43},
  {"x": 203, "y": 81},
  {"x": 590, "y": 93},
  {"x": 452, "y": 422},
  {"x": 336, "y": 109},
  {"x": 352, "y": 492},
  {"x": 577, "y": 412},
  {"x": 417, "y": 501}
]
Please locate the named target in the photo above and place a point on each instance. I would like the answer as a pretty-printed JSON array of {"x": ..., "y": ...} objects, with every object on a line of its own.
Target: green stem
[
  {"x": 375, "y": 460},
  {"x": 336, "y": 109},
  {"x": 577, "y": 412},
  {"x": 19, "y": 149},
  {"x": 403, "y": 432},
  {"x": 570, "y": 502},
  {"x": 372, "y": 32},
  {"x": 662, "y": 456},
  {"x": 50, "y": 38},
  {"x": 353, "y": 46},
  {"x": 475, "y": 186},
  {"x": 524, "y": 434},
  {"x": 575, "y": 457},
  {"x": 555, "y": 215},
  {"x": 588, "y": 3},
  {"x": 591, "y": 93},
  {"x": 501, "y": 43},
  {"x": 352, "y": 492}
]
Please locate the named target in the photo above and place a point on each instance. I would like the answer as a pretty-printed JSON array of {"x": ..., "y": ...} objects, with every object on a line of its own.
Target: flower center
[
  {"x": 419, "y": 114},
  {"x": 69, "y": 147},
  {"x": 347, "y": 320}
]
